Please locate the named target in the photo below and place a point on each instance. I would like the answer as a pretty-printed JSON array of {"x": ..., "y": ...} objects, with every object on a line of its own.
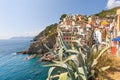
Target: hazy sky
[{"x": 29, "y": 17}]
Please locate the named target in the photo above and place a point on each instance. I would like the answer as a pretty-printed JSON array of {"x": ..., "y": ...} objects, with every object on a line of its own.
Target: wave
[{"x": 14, "y": 54}]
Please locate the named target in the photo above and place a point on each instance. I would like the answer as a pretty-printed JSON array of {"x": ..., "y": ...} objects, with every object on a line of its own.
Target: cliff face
[{"x": 47, "y": 36}]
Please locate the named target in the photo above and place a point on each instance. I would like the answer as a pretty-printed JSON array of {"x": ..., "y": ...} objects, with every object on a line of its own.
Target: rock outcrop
[
  {"x": 22, "y": 52},
  {"x": 47, "y": 36}
]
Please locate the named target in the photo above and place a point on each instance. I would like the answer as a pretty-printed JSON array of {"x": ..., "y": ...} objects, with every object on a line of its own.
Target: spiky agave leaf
[
  {"x": 72, "y": 57},
  {"x": 82, "y": 60},
  {"x": 93, "y": 54},
  {"x": 54, "y": 76},
  {"x": 65, "y": 67},
  {"x": 62, "y": 41},
  {"x": 72, "y": 51},
  {"x": 50, "y": 49},
  {"x": 50, "y": 77},
  {"x": 99, "y": 55},
  {"x": 81, "y": 57},
  {"x": 94, "y": 49},
  {"x": 50, "y": 72},
  {"x": 80, "y": 46},
  {"x": 104, "y": 50},
  {"x": 82, "y": 73},
  {"x": 60, "y": 54},
  {"x": 73, "y": 63},
  {"x": 64, "y": 76},
  {"x": 104, "y": 68},
  {"x": 56, "y": 65},
  {"x": 77, "y": 72}
]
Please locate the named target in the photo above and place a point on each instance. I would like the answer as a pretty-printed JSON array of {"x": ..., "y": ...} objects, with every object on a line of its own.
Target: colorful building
[
  {"x": 118, "y": 22},
  {"x": 116, "y": 47},
  {"x": 71, "y": 29}
]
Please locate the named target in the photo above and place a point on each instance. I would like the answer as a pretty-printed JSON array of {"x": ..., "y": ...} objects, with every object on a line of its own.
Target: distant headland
[{"x": 21, "y": 38}]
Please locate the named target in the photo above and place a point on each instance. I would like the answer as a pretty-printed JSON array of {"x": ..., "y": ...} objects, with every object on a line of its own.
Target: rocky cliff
[{"x": 47, "y": 36}]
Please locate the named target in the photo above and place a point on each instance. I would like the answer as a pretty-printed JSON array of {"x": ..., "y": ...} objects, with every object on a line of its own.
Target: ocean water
[{"x": 14, "y": 66}]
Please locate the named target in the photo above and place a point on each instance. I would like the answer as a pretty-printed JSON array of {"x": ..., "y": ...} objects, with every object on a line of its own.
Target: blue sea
[{"x": 14, "y": 66}]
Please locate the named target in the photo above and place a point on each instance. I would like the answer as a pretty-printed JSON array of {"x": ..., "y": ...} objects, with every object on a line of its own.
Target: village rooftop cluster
[
  {"x": 104, "y": 30},
  {"x": 91, "y": 30}
]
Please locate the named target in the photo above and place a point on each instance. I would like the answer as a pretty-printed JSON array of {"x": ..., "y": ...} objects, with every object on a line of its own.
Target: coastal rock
[
  {"x": 48, "y": 57},
  {"x": 30, "y": 57},
  {"x": 23, "y": 52},
  {"x": 47, "y": 36}
]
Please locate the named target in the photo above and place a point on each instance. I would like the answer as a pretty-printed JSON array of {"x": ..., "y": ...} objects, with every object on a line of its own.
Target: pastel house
[
  {"x": 116, "y": 46},
  {"x": 118, "y": 22}
]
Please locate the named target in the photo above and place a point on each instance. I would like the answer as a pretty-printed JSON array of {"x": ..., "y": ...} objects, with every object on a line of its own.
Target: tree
[{"x": 63, "y": 16}]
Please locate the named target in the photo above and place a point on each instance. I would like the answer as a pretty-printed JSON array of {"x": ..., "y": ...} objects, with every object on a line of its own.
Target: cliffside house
[
  {"x": 71, "y": 29},
  {"x": 116, "y": 44},
  {"x": 118, "y": 22}
]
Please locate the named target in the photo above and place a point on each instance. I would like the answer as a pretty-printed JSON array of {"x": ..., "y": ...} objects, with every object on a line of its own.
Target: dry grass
[{"x": 113, "y": 73}]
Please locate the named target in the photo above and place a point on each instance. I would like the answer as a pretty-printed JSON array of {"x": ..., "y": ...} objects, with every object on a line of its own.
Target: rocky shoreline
[
  {"x": 48, "y": 57},
  {"x": 23, "y": 52},
  {"x": 48, "y": 37}
]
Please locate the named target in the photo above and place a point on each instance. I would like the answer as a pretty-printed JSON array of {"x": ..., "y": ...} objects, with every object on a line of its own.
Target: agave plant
[{"x": 78, "y": 64}]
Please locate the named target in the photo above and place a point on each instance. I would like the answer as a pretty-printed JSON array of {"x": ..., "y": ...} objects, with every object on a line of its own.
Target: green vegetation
[
  {"x": 63, "y": 16},
  {"x": 52, "y": 29},
  {"x": 79, "y": 64},
  {"x": 106, "y": 13}
]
